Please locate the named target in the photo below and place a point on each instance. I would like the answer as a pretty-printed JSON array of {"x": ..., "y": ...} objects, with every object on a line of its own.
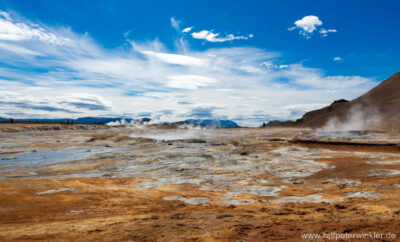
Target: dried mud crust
[
  {"x": 106, "y": 209},
  {"x": 262, "y": 188}
]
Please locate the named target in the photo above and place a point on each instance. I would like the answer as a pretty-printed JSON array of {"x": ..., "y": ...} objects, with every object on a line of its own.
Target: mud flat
[{"x": 113, "y": 184}]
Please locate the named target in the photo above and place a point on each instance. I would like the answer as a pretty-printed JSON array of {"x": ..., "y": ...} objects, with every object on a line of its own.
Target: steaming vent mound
[{"x": 378, "y": 109}]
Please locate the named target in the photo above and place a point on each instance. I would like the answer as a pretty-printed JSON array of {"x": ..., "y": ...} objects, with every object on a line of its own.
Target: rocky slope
[
  {"x": 381, "y": 103},
  {"x": 379, "y": 108}
]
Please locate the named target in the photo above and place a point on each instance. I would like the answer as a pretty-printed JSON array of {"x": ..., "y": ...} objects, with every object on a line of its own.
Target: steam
[
  {"x": 359, "y": 117},
  {"x": 168, "y": 134},
  {"x": 139, "y": 124},
  {"x": 136, "y": 124},
  {"x": 117, "y": 123},
  {"x": 180, "y": 132}
]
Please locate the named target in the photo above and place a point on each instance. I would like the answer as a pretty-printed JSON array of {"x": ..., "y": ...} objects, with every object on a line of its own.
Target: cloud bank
[{"x": 54, "y": 72}]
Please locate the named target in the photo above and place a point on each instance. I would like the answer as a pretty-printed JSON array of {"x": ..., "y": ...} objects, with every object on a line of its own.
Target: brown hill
[{"x": 378, "y": 108}]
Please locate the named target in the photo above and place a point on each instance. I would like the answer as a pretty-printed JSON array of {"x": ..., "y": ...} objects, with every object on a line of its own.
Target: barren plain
[{"x": 92, "y": 182}]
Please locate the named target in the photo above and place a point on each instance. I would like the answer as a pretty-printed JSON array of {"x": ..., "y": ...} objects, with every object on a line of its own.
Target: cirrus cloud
[
  {"x": 210, "y": 36},
  {"x": 18, "y": 31},
  {"x": 245, "y": 84}
]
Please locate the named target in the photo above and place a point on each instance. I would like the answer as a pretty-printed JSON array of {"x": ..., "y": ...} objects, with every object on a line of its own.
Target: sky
[{"x": 247, "y": 61}]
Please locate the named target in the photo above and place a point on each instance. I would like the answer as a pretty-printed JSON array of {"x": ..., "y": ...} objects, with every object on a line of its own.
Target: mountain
[
  {"x": 84, "y": 120},
  {"x": 36, "y": 120},
  {"x": 278, "y": 123},
  {"x": 102, "y": 120},
  {"x": 208, "y": 123},
  {"x": 105, "y": 120},
  {"x": 378, "y": 108},
  {"x": 320, "y": 116}
]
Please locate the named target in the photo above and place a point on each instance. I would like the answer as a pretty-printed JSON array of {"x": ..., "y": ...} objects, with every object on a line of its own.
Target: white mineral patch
[
  {"x": 238, "y": 202},
  {"x": 292, "y": 162},
  {"x": 232, "y": 194},
  {"x": 262, "y": 191},
  {"x": 364, "y": 194},
  {"x": 289, "y": 167},
  {"x": 168, "y": 181},
  {"x": 383, "y": 162},
  {"x": 306, "y": 199},
  {"x": 346, "y": 182},
  {"x": 315, "y": 188},
  {"x": 194, "y": 200},
  {"x": 57, "y": 190},
  {"x": 75, "y": 211},
  {"x": 384, "y": 172},
  {"x": 257, "y": 179}
]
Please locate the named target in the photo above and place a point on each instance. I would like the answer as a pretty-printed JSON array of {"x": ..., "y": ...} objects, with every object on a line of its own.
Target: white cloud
[
  {"x": 187, "y": 29},
  {"x": 271, "y": 66},
  {"x": 325, "y": 32},
  {"x": 337, "y": 58},
  {"x": 175, "y": 24},
  {"x": 11, "y": 30},
  {"x": 17, "y": 49},
  {"x": 190, "y": 81},
  {"x": 65, "y": 105},
  {"x": 315, "y": 79},
  {"x": 176, "y": 58},
  {"x": 215, "y": 37},
  {"x": 5, "y": 15},
  {"x": 248, "y": 85},
  {"x": 308, "y": 24}
]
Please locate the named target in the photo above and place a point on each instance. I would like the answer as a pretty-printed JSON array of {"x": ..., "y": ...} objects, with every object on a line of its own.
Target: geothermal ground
[{"x": 88, "y": 182}]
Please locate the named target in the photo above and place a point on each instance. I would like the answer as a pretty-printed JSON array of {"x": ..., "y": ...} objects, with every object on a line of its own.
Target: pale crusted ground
[{"x": 214, "y": 185}]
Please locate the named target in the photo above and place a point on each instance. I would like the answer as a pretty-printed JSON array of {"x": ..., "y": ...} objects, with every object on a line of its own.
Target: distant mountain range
[
  {"x": 105, "y": 120},
  {"x": 84, "y": 120},
  {"x": 208, "y": 123},
  {"x": 93, "y": 120}
]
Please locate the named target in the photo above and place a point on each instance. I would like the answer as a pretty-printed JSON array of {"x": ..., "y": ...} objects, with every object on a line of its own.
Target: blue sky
[{"x": 249, "y": 61}]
